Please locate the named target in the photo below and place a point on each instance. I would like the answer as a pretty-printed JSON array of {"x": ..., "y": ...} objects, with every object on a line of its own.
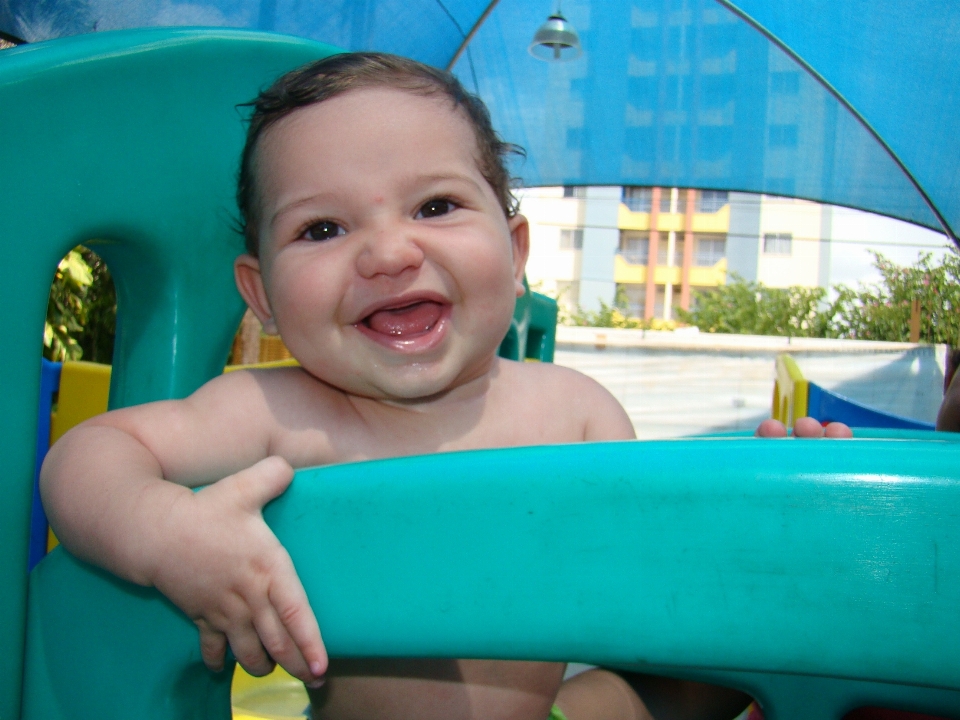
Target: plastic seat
[{"x": 819, "y": 578}]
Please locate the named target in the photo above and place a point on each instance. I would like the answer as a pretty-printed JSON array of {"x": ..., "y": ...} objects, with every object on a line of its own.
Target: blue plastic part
[
  {"x": 828, "y": 406},
  {"x": 49, "y": 383}
]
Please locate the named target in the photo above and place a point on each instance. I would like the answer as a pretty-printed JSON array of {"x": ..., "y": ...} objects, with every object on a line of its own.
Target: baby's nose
[{"x": 389, "y": 252}]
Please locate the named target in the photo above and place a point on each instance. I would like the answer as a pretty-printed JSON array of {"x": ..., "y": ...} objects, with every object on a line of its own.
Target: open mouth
[{"x": 407, "y": 325}]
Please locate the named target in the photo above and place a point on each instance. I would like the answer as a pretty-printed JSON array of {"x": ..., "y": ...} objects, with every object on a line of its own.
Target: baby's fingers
[
  {"x": 290, "y": 631},
  {"x": 838, "y": 430},
  {"x": 249, "y": 652},
  {"x": 771, "y": 428},
  {"x": 808, "y": 427},
  {"x": 260, "y": 483},
  {"x": 213, "y": 646},
  {"x": 283, "y": 650}
]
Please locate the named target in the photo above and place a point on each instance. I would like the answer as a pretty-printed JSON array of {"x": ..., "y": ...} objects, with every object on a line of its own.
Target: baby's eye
[
  {"x": 323, "y": 230},
  {"x": 435, "y": 208}
]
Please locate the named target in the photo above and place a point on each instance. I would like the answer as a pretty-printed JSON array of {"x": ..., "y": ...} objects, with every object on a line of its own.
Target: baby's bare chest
[{"x": 353, "y": 437}]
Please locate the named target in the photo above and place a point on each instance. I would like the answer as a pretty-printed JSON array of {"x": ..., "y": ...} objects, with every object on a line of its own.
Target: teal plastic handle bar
[{"x": 817, "y": 575}]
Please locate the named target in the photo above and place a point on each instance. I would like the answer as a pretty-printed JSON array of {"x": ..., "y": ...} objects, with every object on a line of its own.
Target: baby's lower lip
[{"x": 414, "y": 327}]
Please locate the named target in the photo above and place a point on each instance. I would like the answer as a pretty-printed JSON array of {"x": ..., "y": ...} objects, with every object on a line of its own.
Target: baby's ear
[
  {"x": 520, "y": 241},
  {"x": 246, "y": 273}
]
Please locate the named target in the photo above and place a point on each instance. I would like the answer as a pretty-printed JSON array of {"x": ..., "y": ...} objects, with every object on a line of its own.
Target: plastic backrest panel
[
  {"x": 127, "y": 142},
  {"x": 817, "y": 577},
  {"x": 533, "y": 331}
]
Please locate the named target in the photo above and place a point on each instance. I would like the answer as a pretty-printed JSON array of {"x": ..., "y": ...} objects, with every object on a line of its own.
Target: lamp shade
[{"x": 556, "y": 40}]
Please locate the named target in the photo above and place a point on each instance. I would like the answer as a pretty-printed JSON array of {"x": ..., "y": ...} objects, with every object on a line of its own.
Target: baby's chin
[{"x": 417, "y": 386}]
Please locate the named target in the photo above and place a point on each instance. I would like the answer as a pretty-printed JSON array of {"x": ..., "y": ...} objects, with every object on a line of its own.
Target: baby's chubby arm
[{"x": 117, "y": 492}]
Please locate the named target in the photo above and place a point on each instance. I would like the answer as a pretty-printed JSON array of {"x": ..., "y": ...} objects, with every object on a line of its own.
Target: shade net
[{"x": 688, "y": 93}]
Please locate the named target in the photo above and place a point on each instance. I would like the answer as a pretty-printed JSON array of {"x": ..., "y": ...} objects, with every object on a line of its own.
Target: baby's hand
[
  {"x": 805, "y": 427},
  {"x": 228, "y": 572}
]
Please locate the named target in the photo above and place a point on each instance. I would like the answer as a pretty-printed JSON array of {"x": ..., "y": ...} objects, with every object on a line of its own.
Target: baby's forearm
[{"x": 107, "y": 501}]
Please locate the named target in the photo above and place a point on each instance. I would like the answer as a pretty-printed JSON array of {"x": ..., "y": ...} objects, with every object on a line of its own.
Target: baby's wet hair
[{"x": 338, "y": 74}]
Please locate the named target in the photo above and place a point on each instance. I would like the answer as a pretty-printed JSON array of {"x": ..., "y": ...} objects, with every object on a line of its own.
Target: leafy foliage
[
  {"x": 66, "y": 313},
  {"x": 882, "y": 311},
  {"x": 752, "y": 308},
  {"x": 81, "y": 311},
  {"x": 879, "y": 311},
  {"x": 612, "y": 316},
  {"x": 96, "y": 340}
]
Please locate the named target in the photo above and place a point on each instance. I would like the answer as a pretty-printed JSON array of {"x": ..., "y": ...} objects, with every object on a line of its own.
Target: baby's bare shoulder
[
  {"x": 279, "y": 392},
  {"x": 568, "y": 398}
]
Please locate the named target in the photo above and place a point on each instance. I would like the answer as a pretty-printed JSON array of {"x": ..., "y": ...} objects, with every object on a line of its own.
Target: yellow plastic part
[
  {"x": 790, "y": 392},
  {"x": 84, "y": 390},
  {"x": 277, "y": 696},
  {"x": 288, "y": 362}
]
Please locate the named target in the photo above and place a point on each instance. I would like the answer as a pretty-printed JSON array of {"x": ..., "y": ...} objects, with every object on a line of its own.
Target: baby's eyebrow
[
  {"x": 293, "y": 205},
  {"x": 445, "y": 177}
]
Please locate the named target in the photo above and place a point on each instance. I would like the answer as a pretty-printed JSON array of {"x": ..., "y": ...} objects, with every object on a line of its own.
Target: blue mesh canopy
[{"x": 853, "y": 103}]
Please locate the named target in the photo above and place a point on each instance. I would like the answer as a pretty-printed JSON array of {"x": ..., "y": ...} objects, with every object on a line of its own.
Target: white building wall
[
  {"x": 601, "y": 239},
  {"x": 552, "y": 270},
  {"x": 800, "y": 219}
]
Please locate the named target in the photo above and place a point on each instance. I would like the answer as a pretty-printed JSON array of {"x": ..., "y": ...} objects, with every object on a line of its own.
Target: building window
[
  {"x": 664, "y": 200},
  {"x": 710, "y": 201},
  {"x": 638, "y": 199},
  {"x": 571, "y": 239},
  {"x": 574, "y": 191},
  {"x": 708, "y": 250},
  {"x": 633, "y": 296},
  {"x": 778, "y": 243},
  {"x": 568, "y": 293},
  {"x": 635, "y": 247},
  {"x": 662, "y": 248},
  {"x": 681, "y": 201}
]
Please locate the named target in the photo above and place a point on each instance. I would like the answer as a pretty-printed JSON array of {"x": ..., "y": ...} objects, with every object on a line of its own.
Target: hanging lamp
[{"x": 556, "y": 40}]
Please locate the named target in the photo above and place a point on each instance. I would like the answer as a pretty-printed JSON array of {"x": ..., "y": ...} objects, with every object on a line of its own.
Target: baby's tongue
[{"x": 408, "y": 320}]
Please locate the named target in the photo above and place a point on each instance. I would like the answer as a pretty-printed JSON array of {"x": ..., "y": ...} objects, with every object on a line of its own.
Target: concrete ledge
[{"x": 690, "y": 339}]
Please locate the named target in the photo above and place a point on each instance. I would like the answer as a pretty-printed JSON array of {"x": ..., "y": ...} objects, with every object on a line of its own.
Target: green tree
[
  {"x": 66, "y": 313},
  {"x": 81, "y": 311},
  {"x": 879, "y": 311},
  {"x": 752, "y": 308},
  {"x": 96, "y": 339},
  {"x": 608, "y": 316},
  {"x": 882, "y": 311}
]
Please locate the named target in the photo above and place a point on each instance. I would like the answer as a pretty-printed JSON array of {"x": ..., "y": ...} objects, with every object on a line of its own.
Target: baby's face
[{"x": 387, "y": 264}]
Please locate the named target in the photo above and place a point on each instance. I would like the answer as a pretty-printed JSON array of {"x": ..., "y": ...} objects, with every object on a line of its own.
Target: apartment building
[{"x": 658, "y": 247}]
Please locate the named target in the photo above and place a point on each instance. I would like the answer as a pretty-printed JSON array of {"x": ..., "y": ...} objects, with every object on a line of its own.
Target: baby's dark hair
[{"x": 338, "y": 74}]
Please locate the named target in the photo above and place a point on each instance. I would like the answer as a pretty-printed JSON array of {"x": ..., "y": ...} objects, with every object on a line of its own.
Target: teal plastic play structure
[{"x": 817, "y": 577}]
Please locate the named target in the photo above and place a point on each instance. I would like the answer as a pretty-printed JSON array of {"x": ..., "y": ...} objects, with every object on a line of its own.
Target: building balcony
[{"x": 625, "y": 271}]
